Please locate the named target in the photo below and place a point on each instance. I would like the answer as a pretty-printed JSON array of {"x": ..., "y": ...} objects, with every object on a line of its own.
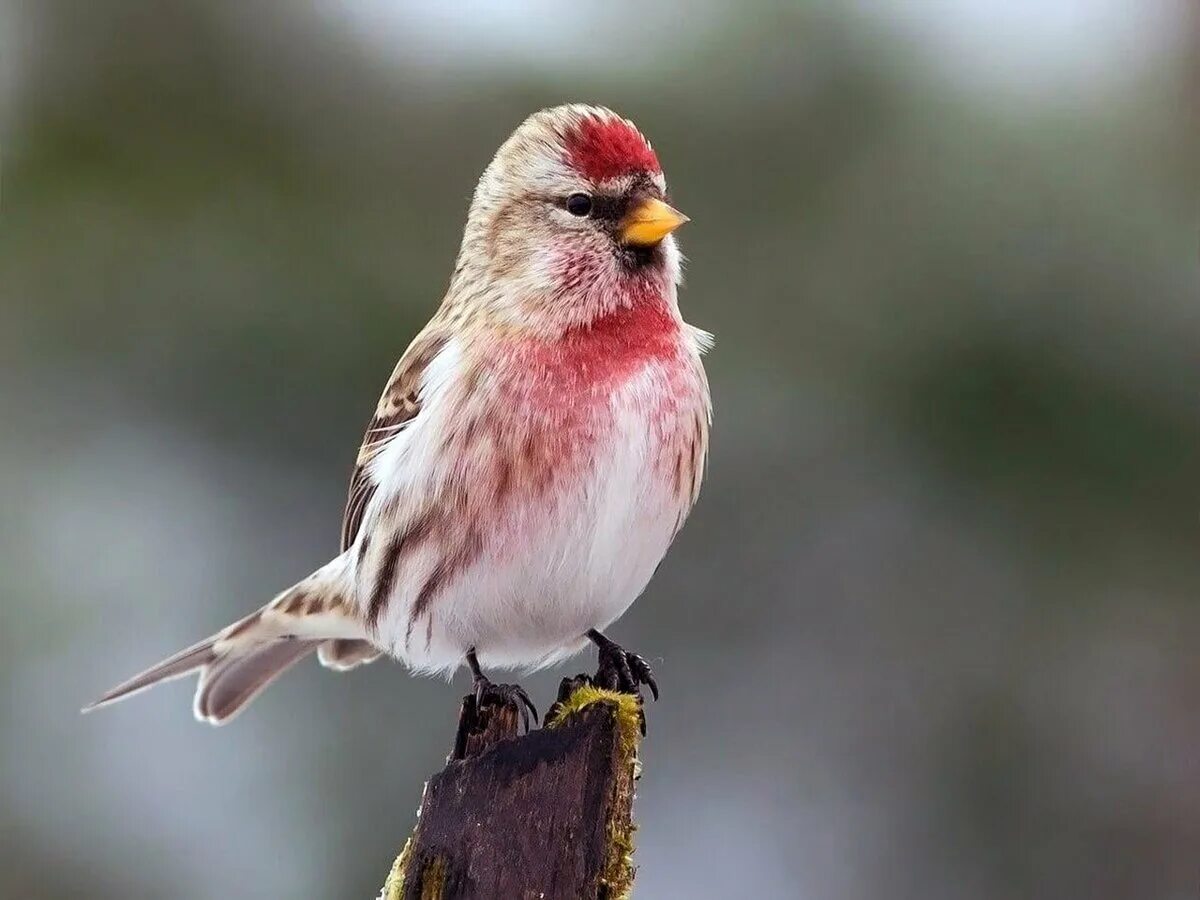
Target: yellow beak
[{"x": 648, "y": 223}]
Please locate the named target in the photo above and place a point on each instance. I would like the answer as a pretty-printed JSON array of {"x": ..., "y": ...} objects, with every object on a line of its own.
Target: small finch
[{"x": 533, "y": 455}]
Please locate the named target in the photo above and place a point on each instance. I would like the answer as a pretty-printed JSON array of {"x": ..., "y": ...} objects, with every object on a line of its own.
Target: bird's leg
[
  {"x": 487, "y": 693},
  {"x": 619, "y": 669}
]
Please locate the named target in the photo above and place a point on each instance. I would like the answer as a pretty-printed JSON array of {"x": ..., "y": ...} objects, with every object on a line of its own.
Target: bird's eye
[{"x": 579, "y": 204}]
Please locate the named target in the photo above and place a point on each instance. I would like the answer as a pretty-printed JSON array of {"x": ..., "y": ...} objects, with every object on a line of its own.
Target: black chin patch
[{"x": 641, "y": 257}]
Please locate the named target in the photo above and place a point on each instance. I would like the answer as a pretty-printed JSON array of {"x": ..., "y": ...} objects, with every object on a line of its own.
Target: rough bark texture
[{"x": 546, "y": 815}]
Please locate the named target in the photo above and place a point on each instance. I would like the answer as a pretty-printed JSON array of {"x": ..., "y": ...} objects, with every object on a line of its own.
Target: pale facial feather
[{"x": 526, "y": 262}]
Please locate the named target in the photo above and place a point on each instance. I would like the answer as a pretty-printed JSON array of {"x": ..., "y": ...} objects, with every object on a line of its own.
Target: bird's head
[{"x": 569, "y": 221}]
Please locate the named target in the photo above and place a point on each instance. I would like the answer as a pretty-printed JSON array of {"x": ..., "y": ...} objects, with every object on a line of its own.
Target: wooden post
[{"x": 547, "y": 815}]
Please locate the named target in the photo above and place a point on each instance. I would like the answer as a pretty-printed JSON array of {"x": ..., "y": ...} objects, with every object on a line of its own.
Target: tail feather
[
  {"x": 344, "y": 654},
  {"x": 182, "y": 663},
  {"x": 231, "y": 682},
  {"x": 238, "y": 662}
]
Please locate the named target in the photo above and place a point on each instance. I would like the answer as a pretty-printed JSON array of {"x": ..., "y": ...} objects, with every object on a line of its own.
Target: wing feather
[{"x": 399, "y": 404}]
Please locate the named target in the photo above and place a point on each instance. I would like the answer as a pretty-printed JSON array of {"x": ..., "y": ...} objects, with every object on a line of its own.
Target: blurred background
[{"x": 931, "y": 631}]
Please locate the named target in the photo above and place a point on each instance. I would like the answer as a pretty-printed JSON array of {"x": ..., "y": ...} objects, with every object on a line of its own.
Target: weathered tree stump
[{"x": 545, "y": 815}]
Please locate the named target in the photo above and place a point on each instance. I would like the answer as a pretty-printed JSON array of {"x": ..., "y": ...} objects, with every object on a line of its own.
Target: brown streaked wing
[{"x": 399, "y": 404}]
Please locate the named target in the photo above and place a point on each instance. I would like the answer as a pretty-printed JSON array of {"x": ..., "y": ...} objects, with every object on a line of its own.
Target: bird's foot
[
  {"x": 621, "y": 670},
  {"x": 512, "y": 696},
  {"x": 489, "y": 714}
]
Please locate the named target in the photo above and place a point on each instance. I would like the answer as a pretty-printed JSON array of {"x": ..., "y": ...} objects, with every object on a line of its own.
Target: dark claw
[
  {"x": 621, "y": 675},
  {"x": 532, "y": 709},
  {"x": 488, "y": 693},
  {"x": 623, "y": 671},
  {"x": 643, "y": 673}
]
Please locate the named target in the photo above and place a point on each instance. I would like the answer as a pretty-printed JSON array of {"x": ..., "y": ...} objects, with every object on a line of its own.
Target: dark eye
[{"x": 579, "y": 204}]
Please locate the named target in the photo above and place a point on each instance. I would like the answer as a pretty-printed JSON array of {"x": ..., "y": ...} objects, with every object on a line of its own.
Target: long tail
[{"x": 239, "y": 661}]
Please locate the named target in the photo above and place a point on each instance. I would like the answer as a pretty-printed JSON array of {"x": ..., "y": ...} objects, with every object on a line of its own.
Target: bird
[{"x": 533, "y": 455}]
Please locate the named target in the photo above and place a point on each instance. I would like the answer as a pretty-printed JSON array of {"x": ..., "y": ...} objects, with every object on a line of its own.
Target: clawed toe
[
  {"x": 623, "y": 671},
  {"x": 642, "y": 673},
  {"x": 487, "y": 693}
]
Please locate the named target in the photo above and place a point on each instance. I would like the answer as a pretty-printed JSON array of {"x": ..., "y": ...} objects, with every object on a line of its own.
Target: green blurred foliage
[{"x": 943, "y": 576}]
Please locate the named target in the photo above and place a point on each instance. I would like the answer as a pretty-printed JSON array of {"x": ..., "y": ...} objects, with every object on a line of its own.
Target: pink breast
[
  {"x": 557, "y": 396},
  {"x": 556, "y": 408},
  {"x": 607, "y": 350}
]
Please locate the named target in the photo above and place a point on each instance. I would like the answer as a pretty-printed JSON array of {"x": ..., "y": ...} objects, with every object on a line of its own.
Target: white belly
[
  {"x": 593, "y": 556},
  {"x": 571, "y": 559}
]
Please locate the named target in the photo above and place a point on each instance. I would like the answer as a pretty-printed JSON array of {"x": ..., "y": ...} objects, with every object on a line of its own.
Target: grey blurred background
[{"x": 932, "y": 631}]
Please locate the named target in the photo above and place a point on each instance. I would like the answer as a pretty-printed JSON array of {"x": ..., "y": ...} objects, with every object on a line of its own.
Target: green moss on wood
[
  {"x": 393, "y": 888},
  {"x": 618, "y": 867},
  {"x": 628, "y": 708},
  {"x": 433, "y": 877}
]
